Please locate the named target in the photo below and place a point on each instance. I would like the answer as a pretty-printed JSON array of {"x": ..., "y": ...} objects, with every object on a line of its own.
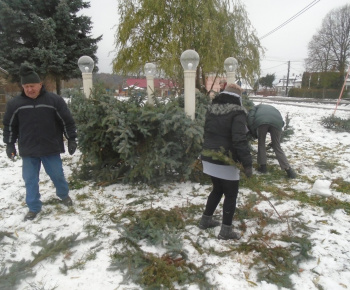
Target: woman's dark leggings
[{"x": 221, "y": 187}]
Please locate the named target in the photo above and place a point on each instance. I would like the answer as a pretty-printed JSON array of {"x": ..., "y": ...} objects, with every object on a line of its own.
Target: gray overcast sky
[{"x": 287, "y": 44}]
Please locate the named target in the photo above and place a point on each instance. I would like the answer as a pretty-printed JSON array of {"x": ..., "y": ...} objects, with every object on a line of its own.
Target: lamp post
[
  {"x": 230, "y": 65},
  {"x": 189, "y": 60},
  {"x": 86, "y": 65},
  {"x": 150, "y": 70}
]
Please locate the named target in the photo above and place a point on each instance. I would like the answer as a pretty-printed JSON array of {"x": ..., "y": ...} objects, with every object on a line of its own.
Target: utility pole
[{"x": 287, "y": 78}]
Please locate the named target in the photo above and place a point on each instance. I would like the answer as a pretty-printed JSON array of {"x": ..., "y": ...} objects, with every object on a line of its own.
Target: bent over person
[
  {"x": 37, "y": 120},
  {"x": 225, "y": 131},
  {"x": 263, "y": 119}
]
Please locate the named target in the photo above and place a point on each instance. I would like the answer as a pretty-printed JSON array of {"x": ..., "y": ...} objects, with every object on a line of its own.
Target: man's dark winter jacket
[
  {"x": 264, "y": 115},
  {"x": 226, "y": 127},
  {"x": 38, "y": 124}
]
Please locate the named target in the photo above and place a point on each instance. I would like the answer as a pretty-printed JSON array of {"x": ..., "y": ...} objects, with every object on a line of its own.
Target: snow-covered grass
[{"x": 290, "y": 229}]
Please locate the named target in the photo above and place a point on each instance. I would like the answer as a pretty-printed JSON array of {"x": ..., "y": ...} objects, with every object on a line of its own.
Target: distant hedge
[{"x": 316, "y": 93}]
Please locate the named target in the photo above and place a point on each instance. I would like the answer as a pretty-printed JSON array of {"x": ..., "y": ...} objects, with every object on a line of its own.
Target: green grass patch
[
  {"x": 341, "y": 185},
  {"x": 328, "y": 204},
  {"x": 328, "y": 165}
]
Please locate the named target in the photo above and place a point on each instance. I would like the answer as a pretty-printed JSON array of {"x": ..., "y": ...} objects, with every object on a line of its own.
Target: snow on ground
[{"x": 311, "y": 143}]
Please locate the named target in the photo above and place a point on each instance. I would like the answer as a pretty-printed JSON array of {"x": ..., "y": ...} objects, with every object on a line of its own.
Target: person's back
[
  {"x": 263, "y": 119},
  {"x": 264, "y": 114},
  {"x": 267, "y": 114}
]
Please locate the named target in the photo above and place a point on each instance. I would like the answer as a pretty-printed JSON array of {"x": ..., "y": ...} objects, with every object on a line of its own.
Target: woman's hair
[
  {"x": 231, "y": 95},
  {"x": 227, "y": 98}
]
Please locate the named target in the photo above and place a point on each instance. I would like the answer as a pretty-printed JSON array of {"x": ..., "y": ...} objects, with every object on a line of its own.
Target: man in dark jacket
[
  {"x": 225, "y": 133},
  {"x": 37, "y": 120},
  {"x": 263, "y": 119}
]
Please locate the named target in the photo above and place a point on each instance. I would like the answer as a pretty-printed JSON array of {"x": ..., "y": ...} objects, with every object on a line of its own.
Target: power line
[
  {"x": 273, "y": 60},
  {"x": 292, "y": 18},
  {"x": 275, "y": 66}
]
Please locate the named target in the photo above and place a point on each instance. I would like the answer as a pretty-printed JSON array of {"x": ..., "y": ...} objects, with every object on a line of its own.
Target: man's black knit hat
[{"x": 28, "y": 75}]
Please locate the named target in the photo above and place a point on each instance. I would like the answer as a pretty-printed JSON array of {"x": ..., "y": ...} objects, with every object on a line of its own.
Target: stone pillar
[
  {"x": 190, "y": 93},
  {"x": 87, "y": 84}
]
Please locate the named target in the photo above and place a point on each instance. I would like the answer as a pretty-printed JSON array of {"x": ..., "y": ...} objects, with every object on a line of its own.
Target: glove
[
  {"x": 72, "y": 146},
  {"x": 11, "y": 150},
  {"x": 248, "y": 171}
]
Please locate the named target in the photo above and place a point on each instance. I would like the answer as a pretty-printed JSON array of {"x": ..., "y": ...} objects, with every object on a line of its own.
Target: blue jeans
[{"x": 30, "y": 174}]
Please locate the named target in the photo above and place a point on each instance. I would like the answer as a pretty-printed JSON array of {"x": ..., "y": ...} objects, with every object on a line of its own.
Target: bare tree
[
  {"x": 329, "y": 49},
  {"x": 319, "y": 53}
]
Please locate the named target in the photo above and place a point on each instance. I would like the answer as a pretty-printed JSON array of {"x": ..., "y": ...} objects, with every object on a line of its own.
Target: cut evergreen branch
[
  {"x": 268, "y": 200},
  {"x": 51, "y": 247},
  {"x": 128, "y": 141},
  {"x": 10, "y": 277},
  {"x": 336, "y": 123},
  {"x": 80, "y": 263},
  {"x": 222, "y": 156},
  {"x": 156, "y": 226},
  {"x": 154, "y": 272},
  {"x": 287, "y": 131}
]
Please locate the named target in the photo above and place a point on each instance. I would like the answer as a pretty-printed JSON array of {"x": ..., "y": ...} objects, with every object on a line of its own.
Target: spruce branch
[
  {"x": 222, "y": 156},
  {"x": 268, "y": 200}
]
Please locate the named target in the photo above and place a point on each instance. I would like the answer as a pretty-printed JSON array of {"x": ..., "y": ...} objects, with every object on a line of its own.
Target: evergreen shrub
[
  {"x": 336, "y": 123},
  {"x": 131, "y": 141}
]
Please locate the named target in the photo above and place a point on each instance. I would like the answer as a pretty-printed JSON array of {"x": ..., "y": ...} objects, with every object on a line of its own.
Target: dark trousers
[
  {"x": 221, "y": 187},
  {"x": 276, "y": 145}
]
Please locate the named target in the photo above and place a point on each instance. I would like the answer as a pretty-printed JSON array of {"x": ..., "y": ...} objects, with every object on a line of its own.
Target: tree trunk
[{"x": 58, "y": 85}]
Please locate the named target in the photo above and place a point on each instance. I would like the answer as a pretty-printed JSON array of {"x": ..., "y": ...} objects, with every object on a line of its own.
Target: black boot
[
  {"x": 207, "y": 222},
  {"x": 67, "y": 202},
  {"x": 291, "y": 173},
  {"x": 30, "y": 216},
  {"x": 227, "y": 233},
  {"x": 262, "y": 168}
]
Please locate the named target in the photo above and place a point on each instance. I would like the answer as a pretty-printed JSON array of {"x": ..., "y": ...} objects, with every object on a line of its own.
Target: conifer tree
[{"x": 48, "y": 34}]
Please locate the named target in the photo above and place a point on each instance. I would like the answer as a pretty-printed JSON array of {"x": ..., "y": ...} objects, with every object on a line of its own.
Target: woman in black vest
[{"x": 225, "y": 130}]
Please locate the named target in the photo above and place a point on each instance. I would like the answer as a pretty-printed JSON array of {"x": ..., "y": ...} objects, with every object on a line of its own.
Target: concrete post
[
  {"x": 231, "y": 77},
  {"x": 190, "y": 93},
  {"x": 150, "y": 88},
  {"x": 87, "y": 84}
]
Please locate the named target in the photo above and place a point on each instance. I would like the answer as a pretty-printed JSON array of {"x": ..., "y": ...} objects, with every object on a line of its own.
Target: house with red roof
[{"x": 163, "y": 87}]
